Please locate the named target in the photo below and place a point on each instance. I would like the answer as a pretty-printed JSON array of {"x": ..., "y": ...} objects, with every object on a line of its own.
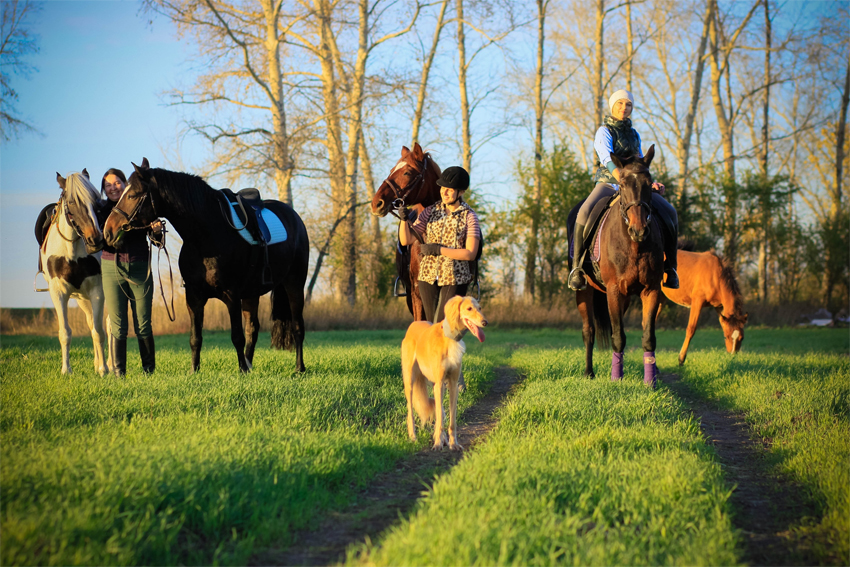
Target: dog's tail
[{"x": 422, "y": 402}]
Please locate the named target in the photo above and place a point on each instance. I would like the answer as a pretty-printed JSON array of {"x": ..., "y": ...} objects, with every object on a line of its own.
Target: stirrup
[
  {"x": 35, "y": 282},
  {"x": 583, "y": 279}
]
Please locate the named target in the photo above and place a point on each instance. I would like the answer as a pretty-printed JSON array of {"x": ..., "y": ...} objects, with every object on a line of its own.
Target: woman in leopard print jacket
[{"x": 451, "y": 235}]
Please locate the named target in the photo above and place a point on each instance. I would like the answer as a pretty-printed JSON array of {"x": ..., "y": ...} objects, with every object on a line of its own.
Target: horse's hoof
[{"x": 456, "y": 447}]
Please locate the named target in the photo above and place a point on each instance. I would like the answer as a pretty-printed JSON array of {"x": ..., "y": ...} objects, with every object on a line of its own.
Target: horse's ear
[
  {"x": 650, "y": 153},
  {"x": 142, "y": 169},
  {"x": 404, "y": 152},
  {"x": 418, "y": 154},
  {"x": 145, "y": 164},
  {"x": 61, "y": 181},
  {"x": 746, "y": 316},
  {"x": 617, "y": 161},
  {"x": 86, "y": 173}
]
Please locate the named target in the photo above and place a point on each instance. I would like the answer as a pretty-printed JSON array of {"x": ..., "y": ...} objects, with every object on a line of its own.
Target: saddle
[
  {"x": 594, "y": 224},
  {"x": 42, "y": 226},
  {"x": 248, "y": 206}
]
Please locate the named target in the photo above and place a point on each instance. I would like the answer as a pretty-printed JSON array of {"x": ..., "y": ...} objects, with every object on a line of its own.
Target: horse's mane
[
  {"x": 727, "y": 276},
  {"x": 81, "y": 189},
  {"x": 193, "y": 190}
]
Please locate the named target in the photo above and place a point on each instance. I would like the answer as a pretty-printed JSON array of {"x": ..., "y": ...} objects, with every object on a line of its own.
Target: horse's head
[
  {"x": 411, "y": 182},
  {"x": 733, "y": 331},
  {"x": 134, "y": 210},
  {"x": 636, "y": 193},
  {"x": 77, "y": 208}
]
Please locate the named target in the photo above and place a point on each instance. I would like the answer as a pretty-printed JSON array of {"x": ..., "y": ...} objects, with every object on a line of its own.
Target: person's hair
[{"x": 111, "y": 171}]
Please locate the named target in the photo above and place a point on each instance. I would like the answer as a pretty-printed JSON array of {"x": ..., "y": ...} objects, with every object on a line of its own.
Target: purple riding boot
[
  {"x": 650, "y": 370},
  {"x": 617, "y": 367}
]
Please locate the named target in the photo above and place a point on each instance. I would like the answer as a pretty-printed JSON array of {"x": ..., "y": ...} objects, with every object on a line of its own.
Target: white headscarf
[{"x": 620, "y": 94}]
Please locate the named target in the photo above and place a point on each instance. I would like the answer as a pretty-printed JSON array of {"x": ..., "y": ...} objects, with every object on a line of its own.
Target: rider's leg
[
  {"x": 430, "y": 294},
  {"x": 671, "y": 263},
  {"x": 577, "y": 280}
]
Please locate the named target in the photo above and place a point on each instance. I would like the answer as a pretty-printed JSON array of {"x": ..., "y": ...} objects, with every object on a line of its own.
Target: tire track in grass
[
  {"x": 766, "y": 506},
  {"x": 394, "y": 493}
]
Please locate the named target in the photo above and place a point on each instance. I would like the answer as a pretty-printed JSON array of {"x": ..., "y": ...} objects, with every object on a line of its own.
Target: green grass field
[{"x": 208, "y": 468}]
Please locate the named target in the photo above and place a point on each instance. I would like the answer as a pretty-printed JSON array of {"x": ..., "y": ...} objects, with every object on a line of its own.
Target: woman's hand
[
  {"x": 659, "y": 187},
  {"x": 430, "y": 249}
]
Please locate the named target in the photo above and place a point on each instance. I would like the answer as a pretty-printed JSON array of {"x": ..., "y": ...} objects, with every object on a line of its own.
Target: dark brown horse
[
  {"x": 215, "y": 261},
  {"x": 705, "y": 279},
  {"x": 631, "y": 263},
  {"x": 411, "y": 183}
]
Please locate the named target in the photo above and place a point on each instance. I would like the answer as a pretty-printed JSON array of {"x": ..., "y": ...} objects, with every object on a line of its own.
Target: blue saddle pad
[{"x": 277, "y": 232}]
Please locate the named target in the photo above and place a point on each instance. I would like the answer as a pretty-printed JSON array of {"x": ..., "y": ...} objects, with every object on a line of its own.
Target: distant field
[{"x": 181, "y": 468}]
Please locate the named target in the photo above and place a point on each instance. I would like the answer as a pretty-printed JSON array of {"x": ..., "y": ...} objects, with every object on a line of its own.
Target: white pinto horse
[{"x": 70, "y": 256}]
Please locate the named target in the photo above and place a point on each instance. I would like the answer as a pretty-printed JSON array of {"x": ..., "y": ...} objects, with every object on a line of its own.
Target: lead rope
[{"x": 160, "y": 247}]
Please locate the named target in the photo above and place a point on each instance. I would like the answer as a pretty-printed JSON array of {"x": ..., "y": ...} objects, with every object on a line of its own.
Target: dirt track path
[
  {"x": 391, "y": 494},
  {"x": 765, "y": 506}
]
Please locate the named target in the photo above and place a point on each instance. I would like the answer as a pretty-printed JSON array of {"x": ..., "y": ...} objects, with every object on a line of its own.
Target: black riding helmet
[{"x": 454, "y": 177}]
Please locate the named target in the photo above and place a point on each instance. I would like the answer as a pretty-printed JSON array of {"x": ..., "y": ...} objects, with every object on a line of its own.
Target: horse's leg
[
  {"x": 236, "y": 335},
  {"x": 295, "y": 293},
  {"x": 584, "y": 302},
  {"x": 96, "y": 333},
  {"x": 195, "y": 304},
  {"x": 60, "y": 303},
  {"x": 251, "y": 323},
  {"x": 650, "y": 300},
  {"x": 696, "y": 307},
  {"x": 616, "y": 306}
]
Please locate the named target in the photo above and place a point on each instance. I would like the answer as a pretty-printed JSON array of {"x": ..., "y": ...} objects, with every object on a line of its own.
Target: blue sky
[{"x": 96, "y": 99}]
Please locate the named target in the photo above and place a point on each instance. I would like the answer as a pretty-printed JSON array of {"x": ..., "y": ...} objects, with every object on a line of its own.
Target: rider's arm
[
  {"x": 604, "y": 145},
  {"x": 405, "y": 232}
]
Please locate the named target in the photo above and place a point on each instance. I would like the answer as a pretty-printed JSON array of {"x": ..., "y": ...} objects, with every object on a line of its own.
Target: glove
[
  {"x": 404, "y": 212},
  {"x": 430, "y": 249}
]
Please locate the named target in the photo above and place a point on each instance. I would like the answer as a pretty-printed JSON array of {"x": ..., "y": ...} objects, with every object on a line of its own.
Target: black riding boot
[
  {"x": 671, "y": 247},
  {"x": 577, "y": 280},
  {"x": 119, "y": 356},
  {"x": 148, "y": 354}
]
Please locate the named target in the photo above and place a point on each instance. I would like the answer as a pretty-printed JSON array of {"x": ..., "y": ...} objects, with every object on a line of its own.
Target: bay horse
[
  {"x": 216, "y": 262},
  {"x": 69, "y": 252},
  {"x": 412, "y": 183},
  {"x": 705, "y": 279},
  {"x": 631, "y": 263}
]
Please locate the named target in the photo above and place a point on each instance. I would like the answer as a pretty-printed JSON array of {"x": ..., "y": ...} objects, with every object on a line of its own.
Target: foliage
[
  {"x": 17, "y": 42},
  {"x": 564, "y": 185}
]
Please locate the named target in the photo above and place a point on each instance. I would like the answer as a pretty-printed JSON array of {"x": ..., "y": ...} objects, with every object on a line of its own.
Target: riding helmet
[{"x": 454, "y": 177}]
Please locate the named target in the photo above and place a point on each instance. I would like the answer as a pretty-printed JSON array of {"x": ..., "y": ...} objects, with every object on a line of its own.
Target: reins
[
  {"x": 128, "y": 226},
  {"x": 402, "y": 194}
]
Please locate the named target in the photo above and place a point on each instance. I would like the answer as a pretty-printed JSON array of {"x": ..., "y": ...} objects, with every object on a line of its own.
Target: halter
[
  {"x": 402, "y": 193},
  {"x": 132, "y": 215},
  {"x": 69, "y": 218}
]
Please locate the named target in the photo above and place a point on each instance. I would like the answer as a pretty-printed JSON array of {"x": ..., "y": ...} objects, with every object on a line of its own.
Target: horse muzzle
[{"x": 638, "y": 235}]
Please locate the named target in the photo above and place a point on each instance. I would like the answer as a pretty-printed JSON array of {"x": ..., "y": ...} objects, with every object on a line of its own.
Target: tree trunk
[
  {"x": 280, "y": 150},
  {"x": 696, "y": 91},
  {"x": 829, "y": 276},
  {"x": 466, "y": 136},
  {"x": 630, "y": 49},
  {"x": 426, "y": 71},
  {"x": 763, "y": 273},
  {"x": 531, "y": 251},
  {"x": 374, "y": 272},
  {"x": 333, "y": 137},
  {"x": 597, "y": 79}
]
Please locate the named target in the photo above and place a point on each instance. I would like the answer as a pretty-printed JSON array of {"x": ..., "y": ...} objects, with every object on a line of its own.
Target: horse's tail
[
  {"x": 283, "y": 335},
  {"x": 603, "y": 318}
]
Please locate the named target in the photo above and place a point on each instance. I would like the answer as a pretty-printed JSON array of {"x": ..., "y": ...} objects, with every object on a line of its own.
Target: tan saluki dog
[{"x": 434, "y": 353}]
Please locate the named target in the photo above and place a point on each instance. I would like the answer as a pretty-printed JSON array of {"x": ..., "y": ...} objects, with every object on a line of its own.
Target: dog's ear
[{"x": 453, "y": 306}]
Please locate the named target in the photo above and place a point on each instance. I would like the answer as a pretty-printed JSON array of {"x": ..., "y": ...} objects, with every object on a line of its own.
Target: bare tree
[
  {"x": 16, "y": 43},
  {"x": 242, "y": 45},
  {"x": 427, "y": 62}
]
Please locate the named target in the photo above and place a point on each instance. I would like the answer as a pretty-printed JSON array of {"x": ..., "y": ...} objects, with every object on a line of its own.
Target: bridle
[
  {"x": 624, "y": 208},
  {"x": 131, "y": 216},
  {"x": 69, "y": 218},
  {"x": 403, "y": 193}
]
